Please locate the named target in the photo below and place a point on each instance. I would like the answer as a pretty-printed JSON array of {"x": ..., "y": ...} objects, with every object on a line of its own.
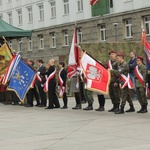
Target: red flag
[
  {"x": 97, "y": 76},
  {"x": 93, "y": 2},
  {"x": 74, "y": 59}
]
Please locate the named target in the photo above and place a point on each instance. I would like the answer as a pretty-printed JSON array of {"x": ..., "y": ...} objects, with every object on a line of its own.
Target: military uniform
[
  {"x": 140, "y": 88},
  {"x": 114, "y": 90},
  {"x": 125, "y": 93}
]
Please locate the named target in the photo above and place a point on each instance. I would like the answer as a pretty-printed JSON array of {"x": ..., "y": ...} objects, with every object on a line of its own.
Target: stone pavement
[{"x": 35, "y": 128}]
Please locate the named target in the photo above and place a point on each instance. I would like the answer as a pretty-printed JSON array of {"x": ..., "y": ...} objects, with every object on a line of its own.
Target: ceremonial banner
[
  {"x": 21, "y": 79},
  {"x": 5, "y": 58},
  {"x": 97, "y": 76},
  {"x": 74, "y": 61}
]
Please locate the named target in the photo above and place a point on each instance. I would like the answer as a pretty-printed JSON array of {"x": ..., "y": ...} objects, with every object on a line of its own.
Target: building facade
[{"x": 53, "y": 21}]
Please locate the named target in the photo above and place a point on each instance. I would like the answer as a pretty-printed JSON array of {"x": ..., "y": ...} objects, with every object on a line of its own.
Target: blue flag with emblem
[{"x": 21, "y": 79}]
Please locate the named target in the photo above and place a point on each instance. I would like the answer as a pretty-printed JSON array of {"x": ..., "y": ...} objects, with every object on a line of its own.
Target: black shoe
[
  {"x": 100, "y": 109},
  {"x": 77, "y": 107},
  {"x": 29, "y": 106},
  {"x": 64, "y": 107},
  {"x": 56, "y": 106},
  {"x": 112, "y": 109},
  {"x": 89, "y": 107},
  {"x": 41, "y": 105},
  {"x": 131, "y": 109},
  {"x": 49, "y": 108},
  {"x": 37, "y": 105}
]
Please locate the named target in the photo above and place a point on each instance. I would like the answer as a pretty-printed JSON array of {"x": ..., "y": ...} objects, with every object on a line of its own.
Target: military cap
[
  {"x": 140, "y": 57},
  {"x": 112, "y": 51},
  {"x": 119, "y": 54}
]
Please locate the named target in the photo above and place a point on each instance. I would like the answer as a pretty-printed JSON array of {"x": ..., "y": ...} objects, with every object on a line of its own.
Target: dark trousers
[
  {"x": 42, "y": 95},
  {"x": 30, "y": 94},
  {"x": 101, "y": 100},
  {"x": 65, "y": 99},
  {"x": 53, "y": 100},
  {"x": 77, "y": 98},
  {"x": 15, "y": 98}
]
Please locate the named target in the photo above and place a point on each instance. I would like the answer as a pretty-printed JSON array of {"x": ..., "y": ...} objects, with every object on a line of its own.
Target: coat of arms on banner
[{"x": 93, "y": 73}]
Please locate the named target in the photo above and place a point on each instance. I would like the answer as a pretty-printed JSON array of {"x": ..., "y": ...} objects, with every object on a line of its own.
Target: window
[
  {"x": 41, "y": 42},
  {"x": 147, "y": 24},
  {"x": 111, "y": 3},
  {"x": 1, "y": 16},
  {"x": 20, "y": 44},
  {"x": 102, "y": 32},
  {"x": 53, "y": 9},
  {"x": 0, "y": 2},
  {"x": 10, "y": 18},
  {"x": 53, "y": 39},
  {"x": 128, "y": 28},
  {"x": 19, "y": 17},
  {"x": 79, "y": 37},
  {"x": 66, "y": 7},
  {"x": 10, "y": 43},
  {"x": 127, "y": 0},
  {"x": 41, "y": 12},
  {"x": 30, "y": 14},
  {"x": 80, "y": 5},
  {"x": 66, "y": 41},
  {"x": 8, "y": 1},
  {"x": 30, "y": 44}
]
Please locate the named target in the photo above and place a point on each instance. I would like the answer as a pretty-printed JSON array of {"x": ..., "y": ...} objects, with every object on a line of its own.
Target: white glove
[
  {"x": 42, "y": 85},
  {"x": 77, "y": 85},
  {"x": 58, "y": 87},
  {"x": 78, "y": 69},
  {"x": 38, "y": 73}
]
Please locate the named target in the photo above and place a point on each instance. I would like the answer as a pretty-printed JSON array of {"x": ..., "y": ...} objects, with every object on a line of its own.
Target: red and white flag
[
  {"x": 97, "y": 76},
  {"x": 93, "y": 2},
  {"x": 74, "y": 61}
]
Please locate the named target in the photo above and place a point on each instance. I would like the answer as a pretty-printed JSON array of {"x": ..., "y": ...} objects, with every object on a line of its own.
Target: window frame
[
  {"x": 79, "y": 5},
  {"x": 66, "y": 38},
  {"x": 147, "y": 23},
  {"x": 41, "y": 42},
  {"x": 66, "y": 7},
  {"x": 102, "y": 29},
  {"x": 128, "y": 28}
]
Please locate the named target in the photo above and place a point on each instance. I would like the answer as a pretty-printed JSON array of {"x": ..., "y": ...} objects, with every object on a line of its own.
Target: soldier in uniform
[
  {"x": 123, "y": 70},
  {"x": 140, "y": 78},
  {"x": 114, "y": 89}
]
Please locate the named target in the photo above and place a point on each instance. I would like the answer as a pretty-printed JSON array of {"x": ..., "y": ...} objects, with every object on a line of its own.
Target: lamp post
[{"x": 116, "y": 31}]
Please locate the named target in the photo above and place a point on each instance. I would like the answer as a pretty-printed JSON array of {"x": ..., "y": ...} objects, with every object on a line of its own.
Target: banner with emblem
[
  {"x": 5, "y": 58},
  {"x": 97, "y": 76},
  {"x": 21, "y": 79}
]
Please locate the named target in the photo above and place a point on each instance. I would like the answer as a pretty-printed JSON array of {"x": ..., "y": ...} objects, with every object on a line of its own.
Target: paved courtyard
[{"x": 35, "y": 128}]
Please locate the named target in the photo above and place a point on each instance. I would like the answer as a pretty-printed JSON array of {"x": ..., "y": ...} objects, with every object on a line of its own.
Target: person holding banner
[
  {"x": 114, "y": 90},
  {"x": 140, "y": 78},
  {"x": 62, "y": 77},
  {"x": 125, "y": 83}
]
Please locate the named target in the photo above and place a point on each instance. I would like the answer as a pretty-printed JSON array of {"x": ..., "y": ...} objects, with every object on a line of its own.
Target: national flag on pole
[
  {"x": 5, "y": 58},
  {"x": 21, "y": 79},
  {"x": 10, "y": 69},
  {"x": 146, "y": 49},
  {"x": 97, "y": 76},
  {"x": 93, "y": 2},
  {"x": 74, "y": 59}
]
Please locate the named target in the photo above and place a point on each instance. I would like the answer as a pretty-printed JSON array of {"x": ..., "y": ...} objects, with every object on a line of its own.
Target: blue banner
[{"x": 21, "y": 79}]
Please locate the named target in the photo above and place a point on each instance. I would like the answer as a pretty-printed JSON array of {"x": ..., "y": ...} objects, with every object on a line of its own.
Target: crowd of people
[{"x": 129, "y": 81}]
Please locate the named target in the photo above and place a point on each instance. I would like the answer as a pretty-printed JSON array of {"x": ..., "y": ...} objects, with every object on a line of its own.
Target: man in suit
[
  {"x": 51, "y": 73},
  {"x": 40, "y": 84},
  {"x": 62, "y": 77}
]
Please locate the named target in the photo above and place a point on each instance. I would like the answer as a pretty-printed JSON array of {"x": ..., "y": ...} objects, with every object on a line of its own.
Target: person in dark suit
[
  {"x": 40, "y": 84},
  {"x": 51, "y": 73},
  {"x": 132, "y": 64},
  {"x": 32, "y": 92},
  {"x": 62, "y": 77}
]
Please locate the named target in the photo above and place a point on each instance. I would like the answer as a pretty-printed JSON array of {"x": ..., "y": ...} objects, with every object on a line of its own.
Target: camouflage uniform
[
  {"x": 125, "y": 93},
  {"x": 114, "y": 91},
  {"x": 140, "y": 87}
]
